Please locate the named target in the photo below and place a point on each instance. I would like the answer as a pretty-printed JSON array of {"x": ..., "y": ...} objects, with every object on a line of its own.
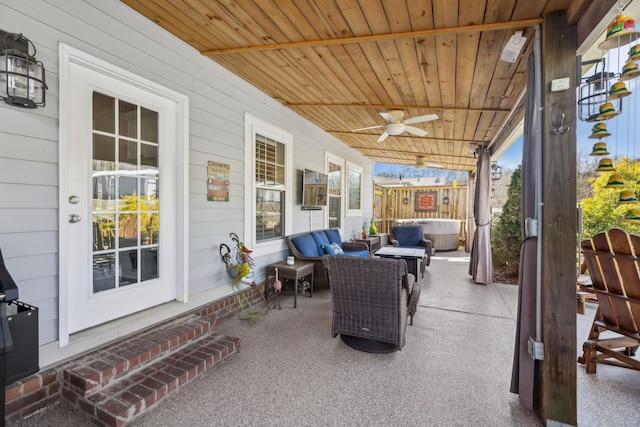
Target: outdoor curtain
[
  {"x": 481, "y": 265},
  {"x": 523, "y": 373}
]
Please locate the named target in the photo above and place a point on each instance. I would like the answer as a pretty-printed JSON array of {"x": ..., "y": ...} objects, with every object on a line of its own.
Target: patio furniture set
[{"x": 374, "y": 290}]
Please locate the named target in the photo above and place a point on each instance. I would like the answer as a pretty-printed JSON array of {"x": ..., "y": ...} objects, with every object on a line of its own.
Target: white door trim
[{"x": 67, "y": 56}]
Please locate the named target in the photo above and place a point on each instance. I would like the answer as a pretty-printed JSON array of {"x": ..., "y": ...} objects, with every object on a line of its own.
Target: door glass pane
[
  {"x": 125, "y": 208},
  {"x": 128, "y": 230},
  {"x": 128, "y": 114},
  {"x": 128, "y": 267},
  {"x": 104, "y": 113},
  {"x": 104, "y": 272},
  {"x": 148, "y": 125},
  {"x": 149, "y": 264}
]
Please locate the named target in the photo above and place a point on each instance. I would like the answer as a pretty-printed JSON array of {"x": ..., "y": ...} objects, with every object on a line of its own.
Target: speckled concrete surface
[{"x": 454, "y": 370}]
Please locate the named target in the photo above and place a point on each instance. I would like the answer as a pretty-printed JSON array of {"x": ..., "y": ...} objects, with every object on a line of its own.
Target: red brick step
[{"x": 121, "y": 402}]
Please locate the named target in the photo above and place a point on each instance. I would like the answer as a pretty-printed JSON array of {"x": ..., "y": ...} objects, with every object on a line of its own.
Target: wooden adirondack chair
[{"x": 612, "y": 261}]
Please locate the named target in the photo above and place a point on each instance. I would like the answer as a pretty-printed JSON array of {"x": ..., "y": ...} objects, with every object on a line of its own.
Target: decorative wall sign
[
  {"x": 426, "y": 201},
  {"x": 217, "y": 182}
]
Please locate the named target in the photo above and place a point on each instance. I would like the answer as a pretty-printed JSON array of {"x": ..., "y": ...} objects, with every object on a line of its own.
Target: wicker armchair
[{"x": 369, "y": 298}]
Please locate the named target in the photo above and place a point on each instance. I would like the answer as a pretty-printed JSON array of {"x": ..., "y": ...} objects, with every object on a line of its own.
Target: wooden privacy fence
[{"x": 402, "y": 202}]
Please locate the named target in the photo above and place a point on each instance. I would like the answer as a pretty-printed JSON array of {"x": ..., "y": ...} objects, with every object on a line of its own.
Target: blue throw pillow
[
  {"x": 321, "y": 240},
  {"x": 306, "y": 245},
  {"x": 333, "y": 249},
  {"x": 333, "y": 234}
]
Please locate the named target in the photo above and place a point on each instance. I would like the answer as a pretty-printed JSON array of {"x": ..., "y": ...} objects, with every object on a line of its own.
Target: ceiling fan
[{"x": 395, "y": 125}]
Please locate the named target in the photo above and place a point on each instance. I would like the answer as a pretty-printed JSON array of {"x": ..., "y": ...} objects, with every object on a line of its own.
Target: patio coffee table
[{"x": 413, "y": 257}]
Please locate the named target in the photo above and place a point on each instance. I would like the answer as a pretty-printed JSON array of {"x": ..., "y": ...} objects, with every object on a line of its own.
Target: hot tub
[{"x": 443, "y": 233}]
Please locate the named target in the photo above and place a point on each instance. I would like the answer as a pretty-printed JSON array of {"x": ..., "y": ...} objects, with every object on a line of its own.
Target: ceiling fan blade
[
  {"x": 370, "y": 127},
  {"x": 383, "y": 137},
  {"x": 415, "y": 131},
  {"x": 420, "y": 119},
  {"x": 388, "y": 117}
]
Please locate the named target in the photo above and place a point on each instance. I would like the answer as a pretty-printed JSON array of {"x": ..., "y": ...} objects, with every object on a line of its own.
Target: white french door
[{"x": 118, "y": 201}]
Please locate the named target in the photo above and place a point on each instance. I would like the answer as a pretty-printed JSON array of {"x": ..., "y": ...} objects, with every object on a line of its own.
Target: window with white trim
[
  {"x": 269, "y": 183},
  {"x": 270, "y": 189},
  {"x": 335, "y": 168}
]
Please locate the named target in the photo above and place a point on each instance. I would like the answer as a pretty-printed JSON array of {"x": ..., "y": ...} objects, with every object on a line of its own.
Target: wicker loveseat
[
  {"x": 309, "y": 246},
  {"x": 369, "y": 298}
]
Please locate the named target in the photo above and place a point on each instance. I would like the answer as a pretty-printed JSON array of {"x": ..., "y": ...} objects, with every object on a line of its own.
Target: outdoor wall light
[
  {"x": 21, "y": 75},
  {"x": 405, "y": 200},
  {"x": 445, "y": 200}
]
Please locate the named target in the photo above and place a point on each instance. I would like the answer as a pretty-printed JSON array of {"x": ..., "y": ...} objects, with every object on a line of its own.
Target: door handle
[
  {"x": 74, "y": 200},
  {"x": 73, "y": 218}
]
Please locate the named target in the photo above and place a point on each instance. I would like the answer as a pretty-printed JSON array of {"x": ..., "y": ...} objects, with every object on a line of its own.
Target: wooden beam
[
  {"x": 558, "y": 369},
  {"x": 494, "y": 26},
  {"x": 397, "y": 107},
  {"x": 423, "y": 138}
]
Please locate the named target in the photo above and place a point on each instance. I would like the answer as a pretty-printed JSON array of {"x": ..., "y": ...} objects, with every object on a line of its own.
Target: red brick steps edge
[{"x": 121, "y": 402}]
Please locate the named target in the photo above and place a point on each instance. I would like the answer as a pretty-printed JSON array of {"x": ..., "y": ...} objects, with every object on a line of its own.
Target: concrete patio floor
[{"x": 454, "y": 370}]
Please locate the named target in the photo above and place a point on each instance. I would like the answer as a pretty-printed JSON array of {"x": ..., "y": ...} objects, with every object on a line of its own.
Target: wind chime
[{"x": 599, "y": 91}]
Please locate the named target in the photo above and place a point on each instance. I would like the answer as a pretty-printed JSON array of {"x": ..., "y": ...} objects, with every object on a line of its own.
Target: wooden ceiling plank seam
[
  {"x": 374, "y": 56},
  {"x": 499, "y": 11},
  {"x": 408, "y": 73},
  {"x": 349, "y": 81},
  {"x": 284, "y": 88},
  {"x": 315, "y": 14},
  {"x": 370, "y": 95},
  {"x": 167, "y": 20},
  {"x": 467, "y": 49},
  {"x": 354, "y": 16},
  {"x": 429, "y": 70},
  {"x": 421, "y": 13},
  {"x": 316, "y": 68},
  {"x": 287, "y": 17},
  {"x": 488, "y": 56},
  {"x": 531, "y": 9},
  {"x": 212, "y": 19},
  {"x": 471, "y": 125},
  {"x": 373, "y": 38},
  {"x": 258, "y": 23},
  {"x": 391, "y": 73}
]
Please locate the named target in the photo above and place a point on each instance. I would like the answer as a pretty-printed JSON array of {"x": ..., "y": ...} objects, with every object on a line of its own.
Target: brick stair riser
[{"x": 120, "y": 403}]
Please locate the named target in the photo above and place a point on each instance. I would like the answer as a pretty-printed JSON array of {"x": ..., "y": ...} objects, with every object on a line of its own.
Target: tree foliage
[
  {"x": 506, "y": 234},
  {"x": 602, "y": 211}
]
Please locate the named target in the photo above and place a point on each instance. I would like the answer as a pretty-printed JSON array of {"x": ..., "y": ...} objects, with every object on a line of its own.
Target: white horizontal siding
[{"x": 218, "y": 101}]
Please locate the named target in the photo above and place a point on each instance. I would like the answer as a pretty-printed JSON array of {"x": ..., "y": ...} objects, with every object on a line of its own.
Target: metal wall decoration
[
  {"x": 426, "y": 201},
  {"x": 217, "y": 182}
]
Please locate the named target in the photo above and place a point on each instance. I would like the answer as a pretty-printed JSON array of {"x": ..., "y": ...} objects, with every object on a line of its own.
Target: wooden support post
[{"x": 558, "y": 369}]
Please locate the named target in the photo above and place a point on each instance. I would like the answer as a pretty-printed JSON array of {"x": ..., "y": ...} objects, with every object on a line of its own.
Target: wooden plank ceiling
[{"x": 341, "y": 62}]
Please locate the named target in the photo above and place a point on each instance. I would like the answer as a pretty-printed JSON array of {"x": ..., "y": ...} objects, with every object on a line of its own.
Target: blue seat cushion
[
  {"x": 333, "y": 249},
  {"x": 306, "y": 245},
  {"x": 408, "y": 236},
  {"x": 321, "y": 240},
  {"x": 334, "y": 236},
  {"x": 362, "y": 253}
]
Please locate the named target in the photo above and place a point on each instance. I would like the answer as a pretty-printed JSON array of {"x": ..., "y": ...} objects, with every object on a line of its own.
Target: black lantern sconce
[
  {"x": 445, "y": 200},
  {"x": 22, "y": 80},
  {"x": 405, "y": 200}
]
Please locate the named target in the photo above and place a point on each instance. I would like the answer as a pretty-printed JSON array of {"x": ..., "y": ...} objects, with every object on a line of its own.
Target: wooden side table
[
  {"x": 373, "y": 242},
  {"x": 293, "y": 272}
]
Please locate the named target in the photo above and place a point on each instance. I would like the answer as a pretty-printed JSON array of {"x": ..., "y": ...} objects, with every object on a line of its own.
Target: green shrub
[{"x": 505, "y": 229}]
